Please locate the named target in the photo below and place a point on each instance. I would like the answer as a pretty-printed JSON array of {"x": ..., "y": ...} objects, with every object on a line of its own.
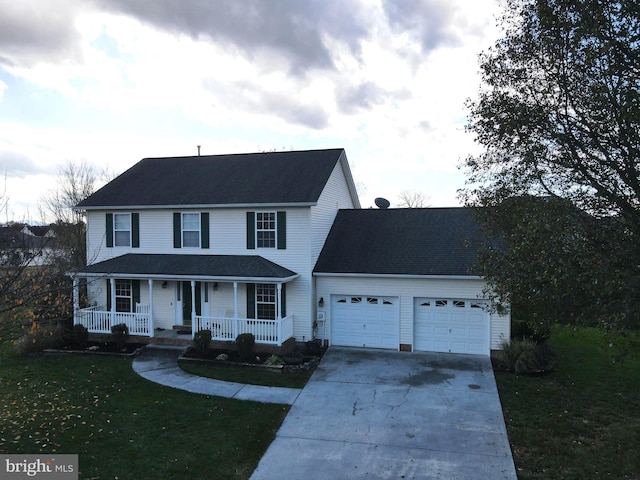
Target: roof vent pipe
[{"x": 198, "y": 150}]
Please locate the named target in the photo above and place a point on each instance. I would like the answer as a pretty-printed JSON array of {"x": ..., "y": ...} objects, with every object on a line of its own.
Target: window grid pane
[
  {"x": 266, "y": 229},
  {"x": 124, "y": 299},
  {"x": 266, "y": 301}
]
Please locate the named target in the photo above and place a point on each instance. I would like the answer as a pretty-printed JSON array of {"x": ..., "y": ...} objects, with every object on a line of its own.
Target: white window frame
[
  {"x": 267, "y": 298},
  {"x": 184, "y": 230},
  {"x": 119, "y": 240},
  {"x": 124, "y": 291},
  {"x": 269, "y": 239}
]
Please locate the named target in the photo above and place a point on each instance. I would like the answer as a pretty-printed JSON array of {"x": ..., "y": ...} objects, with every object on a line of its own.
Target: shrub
[
  {"x": 525, "y": 356},
  {"x": 202, "y": 340},
  {"x": 120, "y": 334},
  {"x": 245, "y": 343},
  {"x": 79, "y": 335},
  {"x": 538, "y": 332}
]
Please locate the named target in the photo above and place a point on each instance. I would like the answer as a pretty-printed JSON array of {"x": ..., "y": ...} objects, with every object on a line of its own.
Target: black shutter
[
  {"x": 135, "y": 230},
  {"x": 283, "y": 303},
  {"x": 177, "y": 230},
  {"x": 135, "y": 292},
  {"x": 108, "y": 295},
  {"x": 251, "y": 230},
  {"x": 204, "y": 229},
  {"x": 281, "y": 223},
  {"x": 109, "y": 233},
  {"x": 251, "y": 300},
  {"x": 198, "y": 298}
]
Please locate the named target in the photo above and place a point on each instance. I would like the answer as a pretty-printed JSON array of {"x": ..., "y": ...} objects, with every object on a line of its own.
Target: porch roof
[{"x": 246, "y": 268}]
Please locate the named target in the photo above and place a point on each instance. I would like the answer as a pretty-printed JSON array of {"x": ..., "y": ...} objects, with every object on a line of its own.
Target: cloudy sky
[{"x": 114, "y": 81}]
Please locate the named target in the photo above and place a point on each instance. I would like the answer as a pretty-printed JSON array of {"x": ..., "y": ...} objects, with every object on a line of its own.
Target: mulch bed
[
  {"x": 101, "y": 348},
  {"x": 291, "y": 362}
]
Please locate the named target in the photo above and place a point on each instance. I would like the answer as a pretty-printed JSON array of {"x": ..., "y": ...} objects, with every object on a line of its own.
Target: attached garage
[
  {"x": 415, "y": 274},
  {"x": 365, "y": 321},
  {"x": 450, "y": 325}
]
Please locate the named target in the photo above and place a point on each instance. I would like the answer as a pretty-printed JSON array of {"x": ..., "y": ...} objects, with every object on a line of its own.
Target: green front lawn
[
  {"x": 580, "y": 422},
  {"x": 125, "y": 427}
]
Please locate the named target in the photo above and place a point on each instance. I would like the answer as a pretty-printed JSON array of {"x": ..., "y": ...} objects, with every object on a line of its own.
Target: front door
[{"x": 186, "y": 302}]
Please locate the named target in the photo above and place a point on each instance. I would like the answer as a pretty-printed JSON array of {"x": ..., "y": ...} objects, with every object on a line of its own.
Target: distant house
[
  {"x": 276, "y": 244},
  {"x": 32, "y": 245}
]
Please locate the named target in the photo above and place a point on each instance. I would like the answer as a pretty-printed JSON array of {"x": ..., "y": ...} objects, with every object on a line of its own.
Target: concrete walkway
[
  {"x": 159, "y": 364},
  {"x": 393, "y": 415}
]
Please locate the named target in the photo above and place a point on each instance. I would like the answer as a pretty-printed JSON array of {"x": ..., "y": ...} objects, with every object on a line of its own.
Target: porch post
[
  {"x": 279, "y": 300},
  {"x": 76, "y": 300},
  {"x": 112, "y": 316},
  {"x": 235, "y": 300},
  {"x": 279, "y": 314},
  {"x": 151, "y": 307},
  {"x": 235, "y": 310},
  {"x": 193, "y": 308}
]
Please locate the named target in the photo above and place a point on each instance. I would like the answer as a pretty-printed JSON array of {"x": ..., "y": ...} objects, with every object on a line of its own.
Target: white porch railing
[
  {"x": 274, "y": 332},
  {"x": 99, "y": 320}
]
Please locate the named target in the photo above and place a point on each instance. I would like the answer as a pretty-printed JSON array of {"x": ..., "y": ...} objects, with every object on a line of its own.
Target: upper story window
[
  {"x": 266, "y": 229},
  {"x": 122, "y": 229},
  {"x": 191, "y": 230}
]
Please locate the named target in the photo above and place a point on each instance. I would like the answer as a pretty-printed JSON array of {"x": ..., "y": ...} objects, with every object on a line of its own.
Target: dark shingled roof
[
  {"x": 240, "y": 179},
  {"x": 408, "y": 241},
  {"x": 241, "y": 266}
]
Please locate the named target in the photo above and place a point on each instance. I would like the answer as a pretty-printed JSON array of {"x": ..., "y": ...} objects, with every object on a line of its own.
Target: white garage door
[
  {"x": 365, "y": 321},
  {"x": 450, "y": 325}
]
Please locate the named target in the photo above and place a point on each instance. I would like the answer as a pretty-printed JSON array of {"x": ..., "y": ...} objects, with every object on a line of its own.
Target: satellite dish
[{"x": 382, "y": 202}]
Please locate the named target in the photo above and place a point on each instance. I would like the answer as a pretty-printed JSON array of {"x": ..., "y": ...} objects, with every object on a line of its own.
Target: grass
[
  {"x": 581, "y": 421},
  {"x": 252, "y": 376},
  {"x": 125, "y": 427}
]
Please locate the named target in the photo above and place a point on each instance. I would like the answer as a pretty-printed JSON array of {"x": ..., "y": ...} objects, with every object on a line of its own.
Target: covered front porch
[{"x": 153, "y": 294}]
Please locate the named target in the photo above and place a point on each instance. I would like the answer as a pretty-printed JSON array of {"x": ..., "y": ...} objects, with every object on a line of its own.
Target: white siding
[
  {"x": 334, "y": 197},
  {"x": 407, "y": 289},
  {"x": 227, "y": 236}
]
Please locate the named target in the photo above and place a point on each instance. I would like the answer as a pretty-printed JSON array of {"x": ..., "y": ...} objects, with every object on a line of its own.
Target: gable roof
[
  {"x": 209, "y": 267},
  {"x": 408, "y": 241},
  {"x": 273, "y": 178}
]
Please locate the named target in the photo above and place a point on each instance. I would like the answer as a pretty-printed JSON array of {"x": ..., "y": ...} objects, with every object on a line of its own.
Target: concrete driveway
[{"x": 379, "y": 414}]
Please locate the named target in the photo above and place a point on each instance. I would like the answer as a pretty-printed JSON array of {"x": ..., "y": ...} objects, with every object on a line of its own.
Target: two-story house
[
  {"x": 223, "y": 242},
  {"x": 276, "y": 244}
]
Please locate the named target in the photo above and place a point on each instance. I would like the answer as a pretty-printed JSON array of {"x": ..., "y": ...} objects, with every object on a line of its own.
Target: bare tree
[
  {"x": 412, "y": 199},
  {"x": 75, "y": 181}
]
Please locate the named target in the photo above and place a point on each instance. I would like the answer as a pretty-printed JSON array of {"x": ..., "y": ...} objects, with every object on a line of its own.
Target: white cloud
[{"x": 386, "y": 80}]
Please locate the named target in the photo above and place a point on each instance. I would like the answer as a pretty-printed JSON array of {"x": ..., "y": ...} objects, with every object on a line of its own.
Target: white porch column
[
  {"x": 235, "y": 310},
  {"x": 235, "y": 300},
  {"x": 76, "y": 300},
  {"x": 151, "y": 308},
  {"x": 279, "y": 314},
  {"x": 279, "y": 301},
  {"x": 112, "y": 317},
  {"x": 193, "y": 308}
]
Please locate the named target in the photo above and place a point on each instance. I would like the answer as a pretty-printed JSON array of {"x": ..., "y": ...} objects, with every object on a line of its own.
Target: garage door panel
[
  {"x": 450, "y": 325},
  {"x": 365, "y": 321}
]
